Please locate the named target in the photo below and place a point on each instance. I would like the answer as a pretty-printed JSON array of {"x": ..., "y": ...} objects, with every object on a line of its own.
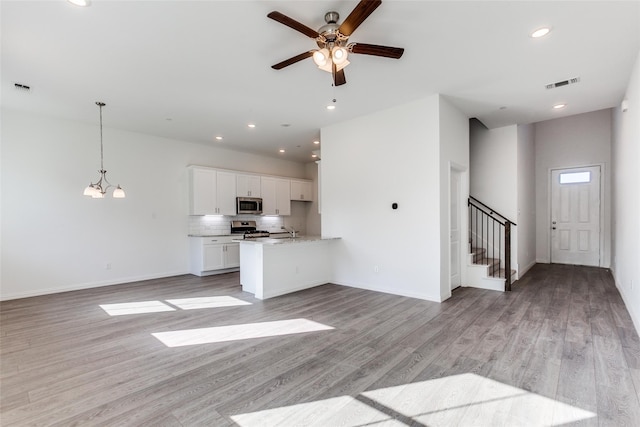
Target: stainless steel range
[{"x": 247, "y": 229}]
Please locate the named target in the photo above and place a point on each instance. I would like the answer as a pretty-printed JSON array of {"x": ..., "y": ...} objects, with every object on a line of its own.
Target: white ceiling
[{"x": 190, "y": 70}]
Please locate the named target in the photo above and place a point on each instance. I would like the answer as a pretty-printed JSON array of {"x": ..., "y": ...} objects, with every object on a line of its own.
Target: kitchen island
[{"x": 271, "y": 267}]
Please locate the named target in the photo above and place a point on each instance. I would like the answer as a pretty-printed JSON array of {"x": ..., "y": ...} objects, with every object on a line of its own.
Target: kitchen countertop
[{"x": 286, "y": 240}]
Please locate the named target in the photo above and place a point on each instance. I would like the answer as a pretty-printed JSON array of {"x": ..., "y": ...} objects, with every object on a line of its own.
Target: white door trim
[{"x": 463, "y": 172}]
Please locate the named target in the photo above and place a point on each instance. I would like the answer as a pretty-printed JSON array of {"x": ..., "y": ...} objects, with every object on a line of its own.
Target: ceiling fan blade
[
  {"x": 373, "y": 49},
  {"x": 338, "y": 76},
  {"x": 292, "y": 60},
  {"x": 358, "y": 15},
  {"x": 292, "y": 23}
]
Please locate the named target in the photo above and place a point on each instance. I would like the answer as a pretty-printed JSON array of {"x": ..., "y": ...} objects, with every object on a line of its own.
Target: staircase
[{"x": 489, "y": 258}]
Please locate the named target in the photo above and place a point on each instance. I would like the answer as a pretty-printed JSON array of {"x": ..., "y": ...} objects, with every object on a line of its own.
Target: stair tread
[
  {"x": 487, "y": 261},
  {"x": 501, "y": 273}
]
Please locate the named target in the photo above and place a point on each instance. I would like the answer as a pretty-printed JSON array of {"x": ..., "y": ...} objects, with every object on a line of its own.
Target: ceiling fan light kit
[{"x": 333, "y": 41}]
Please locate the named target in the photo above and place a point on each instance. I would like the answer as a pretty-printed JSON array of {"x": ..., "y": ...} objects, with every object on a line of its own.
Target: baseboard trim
[
  {"x": 635, "y": 317},
  {"x": 527, "y": 268},
  {"x": 388, "y": 291},
  {"x": 89, "y": 285}
]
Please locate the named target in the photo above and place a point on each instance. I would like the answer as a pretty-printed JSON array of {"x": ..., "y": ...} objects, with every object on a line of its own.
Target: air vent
[
  {"x": 22, "y": 88},
  {"x": 563, "y": 83}
]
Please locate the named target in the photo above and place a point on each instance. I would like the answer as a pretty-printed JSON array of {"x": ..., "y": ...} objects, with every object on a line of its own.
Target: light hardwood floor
[{"x": 560, "y": 349}]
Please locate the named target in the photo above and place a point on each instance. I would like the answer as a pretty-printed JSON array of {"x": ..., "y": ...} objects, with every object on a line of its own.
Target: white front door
[
  {"x": 455, "y": 228},
  {"x": 575, "y": 216}
]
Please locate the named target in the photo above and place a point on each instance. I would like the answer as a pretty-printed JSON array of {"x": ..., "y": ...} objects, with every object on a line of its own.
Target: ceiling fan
[{"x": 333, "y": 41}]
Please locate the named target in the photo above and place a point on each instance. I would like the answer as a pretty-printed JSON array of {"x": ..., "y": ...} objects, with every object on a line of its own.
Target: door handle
[{"x": 553, "y": 228}]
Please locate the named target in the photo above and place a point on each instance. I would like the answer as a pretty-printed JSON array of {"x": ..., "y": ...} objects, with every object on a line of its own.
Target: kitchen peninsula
[{"x": 271, "y": 267}]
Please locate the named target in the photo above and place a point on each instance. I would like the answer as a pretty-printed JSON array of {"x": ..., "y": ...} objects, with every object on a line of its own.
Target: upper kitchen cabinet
[
  {"x": 276, "y": 196},
  {"x": 248, "y": 185},
  {"x": 211, "y": 192},
  {"x": 301, "y": 190}
]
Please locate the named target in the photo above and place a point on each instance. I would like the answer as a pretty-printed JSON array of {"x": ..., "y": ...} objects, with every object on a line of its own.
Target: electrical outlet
[
  {"x": 107, "y": 266},
  {"x": 376, "y": 269}
]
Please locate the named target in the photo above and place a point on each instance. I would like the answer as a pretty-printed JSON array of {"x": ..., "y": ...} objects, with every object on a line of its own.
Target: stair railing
[{"x": 489, "y": 231}]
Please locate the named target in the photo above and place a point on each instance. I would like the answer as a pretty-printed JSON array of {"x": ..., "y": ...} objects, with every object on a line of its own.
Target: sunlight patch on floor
[
  {"x": 238, "y": 332},
  {"x": 137, "y": 307},
  {"x": 460, "y": 400},
  {"x": 207, "y": 302},
  {"x": 140, "y": 307}
]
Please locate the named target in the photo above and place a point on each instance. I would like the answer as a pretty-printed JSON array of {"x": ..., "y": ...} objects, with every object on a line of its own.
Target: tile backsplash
[{"x": 221, "y": 225}]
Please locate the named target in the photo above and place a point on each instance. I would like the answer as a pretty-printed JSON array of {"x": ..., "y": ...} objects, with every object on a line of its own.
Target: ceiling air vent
[
  {"x": 22, "y": 88},
  {"x": 563, "y": 83}
]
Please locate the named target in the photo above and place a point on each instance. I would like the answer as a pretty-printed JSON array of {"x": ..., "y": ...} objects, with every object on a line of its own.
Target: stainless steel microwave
[{"x": 248, "y": 205}]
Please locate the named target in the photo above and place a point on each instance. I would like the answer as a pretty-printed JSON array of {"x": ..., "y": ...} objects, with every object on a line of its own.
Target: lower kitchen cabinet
[{"x": 213, "y": 255}]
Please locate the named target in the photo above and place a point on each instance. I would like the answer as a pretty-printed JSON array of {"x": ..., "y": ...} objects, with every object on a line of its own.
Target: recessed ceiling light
[
  {"x": 251, "y": 125},
  {"x": 331, "y": 107},
  {"x": 219, "y": 138},
  {"x": 81, "y": 3},
  {"x": 282, "y": 150},
  {"x": 559, "y": 106},
  {"x": 314, "y": 155},
  {"x": 540, "y": 32},
  {"x": 316, "y": 142}
]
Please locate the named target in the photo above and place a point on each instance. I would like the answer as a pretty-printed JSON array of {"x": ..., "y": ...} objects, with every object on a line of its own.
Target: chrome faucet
[{"x": 292, "y": 232}]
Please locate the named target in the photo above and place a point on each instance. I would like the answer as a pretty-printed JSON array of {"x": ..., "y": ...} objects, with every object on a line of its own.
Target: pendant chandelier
[{"x": 99, "y": 189}]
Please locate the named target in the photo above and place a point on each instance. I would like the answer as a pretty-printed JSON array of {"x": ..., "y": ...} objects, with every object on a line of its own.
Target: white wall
[
  {"x": 580, "y": 140},
  {"x": 56, "y": 239},
  {"x": 526, "y": 220},
  {"x": 392, "y": 156},
  {"x": 626, "y": 197},
  {"x": 494, "y": 167}
]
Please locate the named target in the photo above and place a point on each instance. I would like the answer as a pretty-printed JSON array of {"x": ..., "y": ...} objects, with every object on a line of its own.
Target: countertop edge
[{"x": 283, "y": 241}]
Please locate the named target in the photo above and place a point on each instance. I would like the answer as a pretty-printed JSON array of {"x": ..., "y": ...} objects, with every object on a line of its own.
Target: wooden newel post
[{"x": 507, "y": 256}]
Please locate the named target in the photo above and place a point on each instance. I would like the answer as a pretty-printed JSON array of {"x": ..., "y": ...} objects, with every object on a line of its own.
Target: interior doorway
[{"x": 575, "y": 216}]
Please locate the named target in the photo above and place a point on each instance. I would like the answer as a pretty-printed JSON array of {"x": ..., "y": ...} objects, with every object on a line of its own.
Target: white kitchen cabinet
[
  {"x": 301, "y": 190},
  {"x": 232, "y": 255},
  {"x": 202, "y": 192},
  {"x": 212, "y": 255},
  {"x": 248, "y": 185},
  {"x": 276, "y": 196},
  {"x": 211, "y": 192},
  {"x": 226, "y": 192}
]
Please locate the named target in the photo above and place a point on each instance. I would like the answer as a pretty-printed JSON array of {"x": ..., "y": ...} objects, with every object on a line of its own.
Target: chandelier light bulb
[{"x": 118, "y": 193}]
